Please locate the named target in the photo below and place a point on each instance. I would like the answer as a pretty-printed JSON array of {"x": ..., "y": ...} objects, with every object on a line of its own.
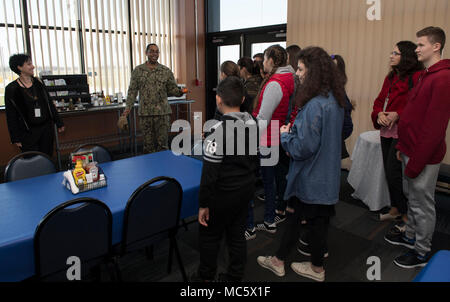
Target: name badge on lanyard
[{"x": 37, "y": 111}]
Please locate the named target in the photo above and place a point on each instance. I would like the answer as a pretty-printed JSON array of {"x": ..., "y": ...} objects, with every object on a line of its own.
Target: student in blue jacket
[{"x": 314, "y": 144}]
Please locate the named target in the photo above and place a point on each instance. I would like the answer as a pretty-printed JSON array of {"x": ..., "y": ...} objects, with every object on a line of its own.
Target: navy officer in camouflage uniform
[{"x": 154, "y": 83}]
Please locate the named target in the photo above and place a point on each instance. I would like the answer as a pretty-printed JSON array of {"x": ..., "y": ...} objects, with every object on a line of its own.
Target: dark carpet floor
[{"x": 354, "y": 236}]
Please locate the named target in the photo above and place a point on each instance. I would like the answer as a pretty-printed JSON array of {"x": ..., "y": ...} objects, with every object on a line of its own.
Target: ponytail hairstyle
[
  {"x": 293, "y": 51},
  {"x": 230, "y": 69},
  {"x": 279, "y": 56},
  {"x": 340, "y": 63}
]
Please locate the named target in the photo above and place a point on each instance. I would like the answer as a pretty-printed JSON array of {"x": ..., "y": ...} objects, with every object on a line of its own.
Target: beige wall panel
[{"x": 341, "y": 27}]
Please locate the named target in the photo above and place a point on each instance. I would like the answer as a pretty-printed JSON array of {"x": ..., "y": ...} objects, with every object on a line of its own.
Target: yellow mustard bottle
[{"x": 79, "y": 173}]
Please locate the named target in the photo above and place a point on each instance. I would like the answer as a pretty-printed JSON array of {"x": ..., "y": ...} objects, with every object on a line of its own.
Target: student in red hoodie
[
  {"x": 387, "y": 109},
  {"x": 421, "y": 146}
]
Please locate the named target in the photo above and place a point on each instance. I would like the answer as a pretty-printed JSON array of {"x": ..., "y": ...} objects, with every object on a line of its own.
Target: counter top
[{"x": 116, "y": 106}]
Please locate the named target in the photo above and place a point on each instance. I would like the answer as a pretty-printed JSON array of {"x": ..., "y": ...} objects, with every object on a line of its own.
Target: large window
[
  {"x": 54, "y": 37},
  {"x": 106, "y": 44},
  {"x": 103, "y": 38},
  {"x": 227, "y": 15},
  {"x": 11, "y": 40},
  {"x": 261, "y": 47}
]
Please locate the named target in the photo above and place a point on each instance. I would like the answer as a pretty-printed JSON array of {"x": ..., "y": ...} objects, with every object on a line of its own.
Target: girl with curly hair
[{"x": 314, "y": 145}]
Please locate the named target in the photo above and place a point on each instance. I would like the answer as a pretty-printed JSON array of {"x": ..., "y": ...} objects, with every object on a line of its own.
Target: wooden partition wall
[{"x": 364, "y": 32}]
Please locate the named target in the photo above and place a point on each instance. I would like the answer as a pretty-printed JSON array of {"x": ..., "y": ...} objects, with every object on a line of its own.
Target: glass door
[
  {"x": 231, "y": 46},
  {"x": 260, "y": 47}
]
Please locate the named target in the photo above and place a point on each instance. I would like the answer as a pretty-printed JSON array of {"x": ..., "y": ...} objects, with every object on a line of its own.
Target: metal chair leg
[
  {"x": 149, "y": 252},
  {"x": 169, "y": 264},
  {"x": 180, "y": 262}
]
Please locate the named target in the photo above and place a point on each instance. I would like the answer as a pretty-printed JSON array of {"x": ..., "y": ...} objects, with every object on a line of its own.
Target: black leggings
[
  {"x": 40, "y": 138},
  {"x": 393, "y": 172},
  {"x": 317, "y": 232}
]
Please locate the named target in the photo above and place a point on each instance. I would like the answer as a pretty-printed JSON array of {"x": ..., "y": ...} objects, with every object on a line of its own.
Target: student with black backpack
[{"x": 387, "y": 110}]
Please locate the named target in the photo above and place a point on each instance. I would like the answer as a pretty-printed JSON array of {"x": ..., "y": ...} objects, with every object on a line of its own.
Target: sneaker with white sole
[
  {"x": 412, "y": 259},
  {"x": 266, "y": 262},
  {"x": 302, "y": 240},
  {"x": 398, "y": 229},
  {"x": 261, "y": 197},
  {"x": 269, "y": 228},
  {"x": 399, "y": 239},
  {"x": 250, "y": 234},
  {"x": 279, "y": 218},
  {"x": 304, "y": 269}
]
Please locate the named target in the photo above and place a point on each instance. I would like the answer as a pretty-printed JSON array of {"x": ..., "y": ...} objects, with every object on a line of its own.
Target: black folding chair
[
  {"x": 152, "y": 214},
  {"x": 78, "y": 228},
  {"x": 27, "y": 165},
  {"x": 101, "y": 154}
]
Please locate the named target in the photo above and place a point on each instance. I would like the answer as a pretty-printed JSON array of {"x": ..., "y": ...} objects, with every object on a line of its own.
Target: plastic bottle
[
  {"x": 71, "y": 106},
  {"x": 79, "y": 173}
]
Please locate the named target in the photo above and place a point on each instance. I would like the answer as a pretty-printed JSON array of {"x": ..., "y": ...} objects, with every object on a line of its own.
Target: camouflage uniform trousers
[{"x": 155, "y": 130}]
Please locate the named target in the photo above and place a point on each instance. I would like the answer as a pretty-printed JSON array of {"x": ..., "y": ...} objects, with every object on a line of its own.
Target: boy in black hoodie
[{"x": 227, "y": 185}]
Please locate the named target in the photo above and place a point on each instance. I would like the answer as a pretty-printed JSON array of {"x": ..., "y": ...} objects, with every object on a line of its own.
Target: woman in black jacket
[{"x": 30, "y": 114}]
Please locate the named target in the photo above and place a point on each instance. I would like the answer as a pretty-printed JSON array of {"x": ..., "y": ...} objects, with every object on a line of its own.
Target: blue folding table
[
  {"x": 437, "y": 269},
  {"x": 24, "y": 203}
]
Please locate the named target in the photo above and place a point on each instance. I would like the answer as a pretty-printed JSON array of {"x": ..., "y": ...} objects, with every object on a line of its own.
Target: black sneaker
[
  {"x": 302, "y": 240},
  {"x": 279, "y": 218},
  {"x": 269, "y": 228},
  {"x": 306, "y": 250},
  {"x": 250, "y": 234},
  {"x": 399, "y": 239},
  {"x": 412, "y": 259},
  {"x": 398, "y": 229},
  {"x": 261, "y": 196}
]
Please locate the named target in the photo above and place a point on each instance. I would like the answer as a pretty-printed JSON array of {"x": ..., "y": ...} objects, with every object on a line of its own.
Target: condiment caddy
[{"x": 84, "y": 174}]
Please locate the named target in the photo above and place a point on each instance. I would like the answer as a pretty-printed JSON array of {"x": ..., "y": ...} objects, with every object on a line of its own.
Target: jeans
[
  {"x": 268, "y": 177},
  {"x": 250, "y": 216},
  {"x": 317, "y": 232},
  {"x": 281, "y": 171}
]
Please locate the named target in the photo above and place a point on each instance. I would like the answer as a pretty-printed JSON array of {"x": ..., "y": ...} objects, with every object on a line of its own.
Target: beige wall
[{"x": 341, "y": 27}]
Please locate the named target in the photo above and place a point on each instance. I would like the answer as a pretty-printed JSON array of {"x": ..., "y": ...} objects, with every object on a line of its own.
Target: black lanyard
[
  {"x": 32, "y": 96},
  {"x": 386, "y": 100}
]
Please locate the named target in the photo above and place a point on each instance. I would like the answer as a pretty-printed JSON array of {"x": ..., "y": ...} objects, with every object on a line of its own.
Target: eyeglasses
[{"x": 394, "y": 53}]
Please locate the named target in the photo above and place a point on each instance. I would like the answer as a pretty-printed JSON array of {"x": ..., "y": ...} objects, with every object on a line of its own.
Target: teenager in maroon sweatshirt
[{"x": 421, "y": 146}]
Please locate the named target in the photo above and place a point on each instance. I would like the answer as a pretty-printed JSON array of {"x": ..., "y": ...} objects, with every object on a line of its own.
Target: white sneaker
[
  {"x": 304, "y": 269},
  {"x": 250, "y": 234},
  {"x": 266, "y": 262},
  {"x": 269, "y": 228}
]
